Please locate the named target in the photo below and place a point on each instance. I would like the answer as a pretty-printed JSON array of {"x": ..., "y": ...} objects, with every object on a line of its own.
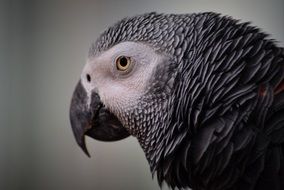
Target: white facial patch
[
  {"x": 88, "y": 85},
  {"x": 119, "y": 91}
]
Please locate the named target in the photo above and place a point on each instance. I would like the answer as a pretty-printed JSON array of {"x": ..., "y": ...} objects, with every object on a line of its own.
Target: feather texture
[{"x": 213, "y": 114}]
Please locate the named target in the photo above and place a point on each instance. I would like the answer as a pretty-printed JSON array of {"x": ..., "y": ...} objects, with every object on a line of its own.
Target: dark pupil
[{"x": 123, "y": 61}]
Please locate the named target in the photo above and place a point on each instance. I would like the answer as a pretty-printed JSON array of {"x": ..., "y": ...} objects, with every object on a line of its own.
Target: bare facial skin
[{"x": 120, "y": 89}]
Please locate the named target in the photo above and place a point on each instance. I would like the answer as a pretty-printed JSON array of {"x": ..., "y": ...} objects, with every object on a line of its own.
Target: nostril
[{"x": 88, "y": 78}]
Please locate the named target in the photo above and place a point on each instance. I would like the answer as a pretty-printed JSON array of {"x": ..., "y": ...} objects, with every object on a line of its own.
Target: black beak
[{"x": 94, "y": 120}]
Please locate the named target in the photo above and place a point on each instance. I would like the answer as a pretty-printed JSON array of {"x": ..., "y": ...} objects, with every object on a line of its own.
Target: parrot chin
[{"x": 93, "y": 120}]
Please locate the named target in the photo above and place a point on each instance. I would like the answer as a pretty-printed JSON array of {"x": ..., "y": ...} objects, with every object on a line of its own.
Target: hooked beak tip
[{"x": 82, "y": 144}]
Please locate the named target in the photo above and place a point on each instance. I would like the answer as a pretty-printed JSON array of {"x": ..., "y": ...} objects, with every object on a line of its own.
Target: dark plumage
[{"x": 213, "y": 114}]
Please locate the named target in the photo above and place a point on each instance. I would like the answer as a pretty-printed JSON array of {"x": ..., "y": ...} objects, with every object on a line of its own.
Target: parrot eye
[{"x": 123, "y": 63}]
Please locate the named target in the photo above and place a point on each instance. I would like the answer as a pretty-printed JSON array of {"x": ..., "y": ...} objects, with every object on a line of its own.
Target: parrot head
[{"x": 126, "y": 86}]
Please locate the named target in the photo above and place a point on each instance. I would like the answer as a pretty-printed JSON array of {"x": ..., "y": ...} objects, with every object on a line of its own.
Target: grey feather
[{"x": 211, "y": 112}]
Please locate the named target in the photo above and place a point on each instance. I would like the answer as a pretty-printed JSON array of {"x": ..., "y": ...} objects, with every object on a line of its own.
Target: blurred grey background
[{"x": 43, "y": 48}]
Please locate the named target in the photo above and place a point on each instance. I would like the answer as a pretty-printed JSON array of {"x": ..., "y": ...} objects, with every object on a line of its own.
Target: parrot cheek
[{"x": 91, "y": 118}]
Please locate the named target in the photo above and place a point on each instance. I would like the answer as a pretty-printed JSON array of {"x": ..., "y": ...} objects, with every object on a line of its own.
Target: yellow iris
[{"x": 123, "y": 63}]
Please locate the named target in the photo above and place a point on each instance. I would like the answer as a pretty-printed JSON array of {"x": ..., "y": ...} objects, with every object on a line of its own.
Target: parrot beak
[{"x": 94, "y": 120}]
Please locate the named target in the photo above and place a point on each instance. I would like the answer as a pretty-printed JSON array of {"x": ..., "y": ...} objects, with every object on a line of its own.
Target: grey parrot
[{"x": 203, "y": 93}]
